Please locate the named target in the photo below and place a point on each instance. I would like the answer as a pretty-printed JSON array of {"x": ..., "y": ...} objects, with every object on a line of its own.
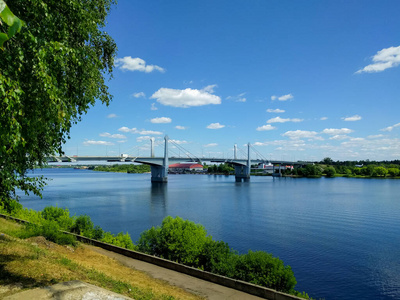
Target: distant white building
[{"x": 270, "y": 168}]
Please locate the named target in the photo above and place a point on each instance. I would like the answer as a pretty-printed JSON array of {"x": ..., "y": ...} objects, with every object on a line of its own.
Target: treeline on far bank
[
  {"x": 176, "y": 239},
  {"x": 124, "y": 168},
  {"x": 364, "y": 169}
]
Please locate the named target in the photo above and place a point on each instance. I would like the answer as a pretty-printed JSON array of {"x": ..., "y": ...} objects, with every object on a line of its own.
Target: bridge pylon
[
  {"x": 160, "y": 173},
  {"x": 242, "y": 172}
]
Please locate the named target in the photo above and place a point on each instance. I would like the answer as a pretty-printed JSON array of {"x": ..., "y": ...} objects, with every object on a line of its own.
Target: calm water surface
[{"x": 341, "y": 236}]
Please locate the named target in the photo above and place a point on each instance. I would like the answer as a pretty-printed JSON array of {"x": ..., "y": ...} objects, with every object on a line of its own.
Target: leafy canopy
[{"x": 51, "y": 72}]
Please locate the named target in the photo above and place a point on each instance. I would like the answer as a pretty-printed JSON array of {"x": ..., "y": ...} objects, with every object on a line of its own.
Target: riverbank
[{"x": 37, "y": 262}]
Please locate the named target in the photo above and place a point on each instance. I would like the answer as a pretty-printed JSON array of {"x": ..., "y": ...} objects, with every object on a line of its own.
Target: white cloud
[
  {"x": 265, "y": 128},
  {"x": 334, "y": 131},
  {"x": 126, "y": 129},
  {"x": 390, "y": 128},
  {"x": 238, "y": 98},
  {"x": 141, "y": 132},
  {"x": 178, "y": 142},
  {"x": 139, "y": 95},
  {"x": 113, "y": 136},
  {"x": 110, "y": 116},
  {"x": 281, "y": 120},
  {"x": 375, "y": 136},
  {"x": 210, "y": 145},
  {"x": 153, "y": 106},
  {"x": 352, "y": 118},
  {"x": 136, "y": 64},
  {"x": 162, "y": 120},
  {"x": 339, "y": 137},
  {"x": 187, "y": 97},
  {"x": 92, "y": 142},
  {"x": 180, "y": 127},
  {"x": 301, "y": 134},
  {"x": 215, "y": 126},
  {"x": 209, "y": 88},
  {"x": 383, "y": 59},
  {"x": 277, "y": 111},
  {"x": 143, "y": 138},
  {"x": 324, "y": 118},
  {"x": 282, "y": 98}
]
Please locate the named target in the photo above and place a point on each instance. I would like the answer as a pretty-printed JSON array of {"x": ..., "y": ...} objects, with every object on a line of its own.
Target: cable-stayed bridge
[{"x": 159, "y": 165}]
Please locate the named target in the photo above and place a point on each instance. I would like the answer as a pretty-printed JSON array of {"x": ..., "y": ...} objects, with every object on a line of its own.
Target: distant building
[{"x": 185, "y": 167}]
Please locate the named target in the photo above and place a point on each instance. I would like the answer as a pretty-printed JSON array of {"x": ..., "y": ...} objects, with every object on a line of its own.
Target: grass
[{"x": 36, "y": 262}]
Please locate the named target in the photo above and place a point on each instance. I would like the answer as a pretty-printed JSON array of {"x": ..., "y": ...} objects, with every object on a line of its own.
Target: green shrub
[
  {"x": 83, "y": 226},
  {"x": 120, "y": 240},
  {"x": 177, "y": 240},
  {"x": 263, "y": 269},
  {"x": 61, "y": 216},
  {"x": 51, "y": 231}
]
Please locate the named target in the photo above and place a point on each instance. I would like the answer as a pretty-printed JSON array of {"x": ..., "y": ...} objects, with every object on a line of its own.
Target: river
[{"x": 341, "y": 236}]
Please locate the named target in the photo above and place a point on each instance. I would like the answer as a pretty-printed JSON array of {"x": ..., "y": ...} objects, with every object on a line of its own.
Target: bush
[
  {"x": 188, "y": 243},
  {"x": 263, "y": 269},
  {"x": 83, "y": 226},
  {"x": 177, "y": 240},
  {"x": 61, "y": 216},
  {"x": 120, "y": 240},
  {"x": 51, "y": 231}
]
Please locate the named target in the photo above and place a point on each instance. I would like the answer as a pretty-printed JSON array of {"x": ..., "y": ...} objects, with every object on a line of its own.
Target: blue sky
[{"x": 299, "y": 80}]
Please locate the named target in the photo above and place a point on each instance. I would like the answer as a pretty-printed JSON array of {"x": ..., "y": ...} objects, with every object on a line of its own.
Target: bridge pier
[
  {"x": 242, "y": 172},
  {"x": 160, "y": 173}
]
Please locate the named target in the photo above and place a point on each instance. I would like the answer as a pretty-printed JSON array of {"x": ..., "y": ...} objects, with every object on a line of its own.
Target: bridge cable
[{"x": 185, "y": 151}]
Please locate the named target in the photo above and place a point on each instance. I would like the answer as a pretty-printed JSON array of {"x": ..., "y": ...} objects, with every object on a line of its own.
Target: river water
[{"x": 341, "y": 236}]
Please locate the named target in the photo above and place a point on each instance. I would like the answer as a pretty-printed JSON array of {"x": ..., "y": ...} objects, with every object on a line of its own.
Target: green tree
[
  {"x": 393, "y": 172},
  {"x": 379, "y": 171},
  {"x": 327, "y": 161},
  {"x": 52, "y": 72},
  {"x": 330, "y": 171}
]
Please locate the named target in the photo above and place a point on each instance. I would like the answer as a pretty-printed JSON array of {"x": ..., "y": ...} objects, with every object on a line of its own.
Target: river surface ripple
[{"x": 341, "y": 236}]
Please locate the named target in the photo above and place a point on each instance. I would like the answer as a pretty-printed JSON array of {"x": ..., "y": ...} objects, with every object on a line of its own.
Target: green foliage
[
  {"x": 127, "y": 168},
  {"x": 330, "y": 171},
  {"x": 52, "y": 72},
  {"x": 51, "y": 231},
  {"x": 393, "y": 172},
  {"x": 188, "y": 243},
  {"x": 15, "y": 24},
  {"x": 60, "y": 215},
  {"x": 379, "y": 172},
  {"x": 120, "y": 240},
  {"x": 177, "y": 239},
  {"x": 223, "y": 168},
  {"x": 83, "y": 226},
  {"x": 263, "y": 269},
  {"x": 310, "y": 171}
]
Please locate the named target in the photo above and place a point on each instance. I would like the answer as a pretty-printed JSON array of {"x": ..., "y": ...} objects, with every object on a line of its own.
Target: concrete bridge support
[
  {"x": 242, "y": 172},
  {"x": 160, "y": 173}
]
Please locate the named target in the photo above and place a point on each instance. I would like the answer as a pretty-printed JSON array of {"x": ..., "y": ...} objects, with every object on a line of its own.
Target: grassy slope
[{"x": 36, "y": 262}]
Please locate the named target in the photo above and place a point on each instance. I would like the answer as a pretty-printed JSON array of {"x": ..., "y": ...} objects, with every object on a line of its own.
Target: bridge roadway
[{"x": 159, "y": 165}]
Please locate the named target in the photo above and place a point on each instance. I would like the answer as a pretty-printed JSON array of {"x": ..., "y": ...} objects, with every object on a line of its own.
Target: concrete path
[{"x": 194, "y": 285}]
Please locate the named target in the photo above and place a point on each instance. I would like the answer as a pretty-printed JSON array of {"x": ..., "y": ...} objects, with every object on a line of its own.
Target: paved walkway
[{"x": 194, "y": 285}]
